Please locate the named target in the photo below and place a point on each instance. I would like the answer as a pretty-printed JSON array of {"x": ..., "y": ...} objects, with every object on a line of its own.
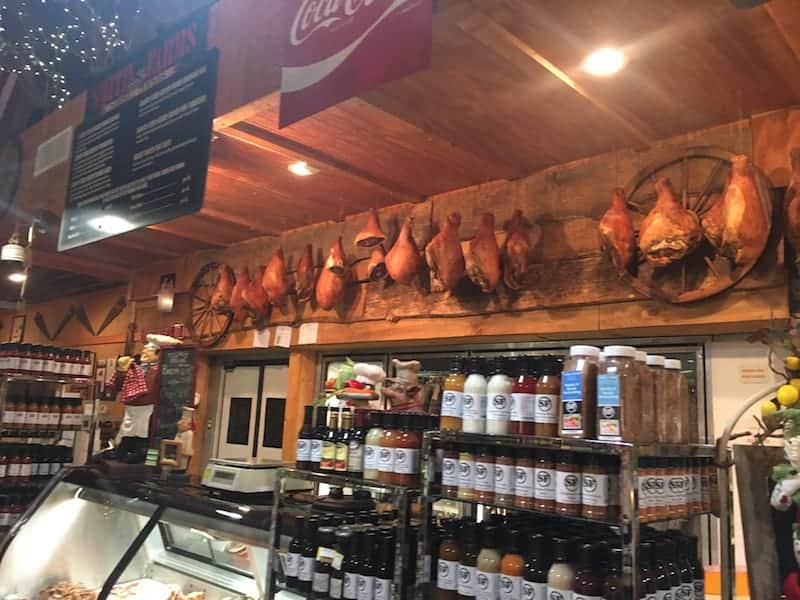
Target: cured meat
[
  {"x": 483, "y": 256},
  {"x": 221, "y": 298},
  {"x": 617, "y": 237},
  {"x": 274, "y": 281},
  {"x": 238, "y": 304},
  {"x": 331, "y": 282},
  {"x": 403, "y": 262},
  {"x": 444, "y": 256},
  {"x": 376, "y": 268},
  {"x": 516, "y": 251},
  {"x": 304, "y": 275},
  {"x": 737, "y": 225},
  {"x": 669, "y": 232},
  {"x": 254, "y": 296},
  {"x": 791, "y": 205},
  {"x": 372, "y": 234}
]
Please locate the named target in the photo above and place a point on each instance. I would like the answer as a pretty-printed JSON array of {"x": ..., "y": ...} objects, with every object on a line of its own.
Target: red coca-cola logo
[{"x": 318, "y": 15}]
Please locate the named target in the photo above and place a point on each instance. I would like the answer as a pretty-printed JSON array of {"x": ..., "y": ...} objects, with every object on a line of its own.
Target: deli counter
[{"x": 92, "y": 537}]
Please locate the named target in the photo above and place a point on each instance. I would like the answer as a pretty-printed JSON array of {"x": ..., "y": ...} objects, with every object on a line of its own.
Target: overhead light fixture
[
  {"x": 13, "y": 251},
  {"x": 18, "y": 277},
  {"x": 111, "y": 224},
  {"x": 604, "y": 62},
  {"x": 165, "y": 299},
  {"x": 302, "y": 169}
]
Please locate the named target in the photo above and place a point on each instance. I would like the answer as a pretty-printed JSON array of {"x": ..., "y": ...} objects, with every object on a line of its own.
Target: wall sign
[
  {"x": 177, "y": 389},
  {"x": 336, "y": 49},
  {"x": 144, "y": 162}
]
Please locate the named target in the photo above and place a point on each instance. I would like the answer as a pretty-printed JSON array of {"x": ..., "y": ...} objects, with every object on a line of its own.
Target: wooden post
[{"x": 302, "y": 378}]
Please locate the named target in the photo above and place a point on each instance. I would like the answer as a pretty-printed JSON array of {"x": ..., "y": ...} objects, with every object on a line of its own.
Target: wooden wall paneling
[
  {"x": 774, "y": 136},
  {"x": 302, "y": 382}
]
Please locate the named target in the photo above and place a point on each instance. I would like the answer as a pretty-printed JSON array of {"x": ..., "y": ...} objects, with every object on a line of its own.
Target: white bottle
[
  {"x": 498, "y": 399},
  {"x": 561, "y": 576},
  {"x": 473, "y": 401}
]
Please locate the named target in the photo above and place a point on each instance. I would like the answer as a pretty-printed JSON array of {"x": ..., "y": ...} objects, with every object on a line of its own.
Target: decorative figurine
[{"x": 403, "y": 391}]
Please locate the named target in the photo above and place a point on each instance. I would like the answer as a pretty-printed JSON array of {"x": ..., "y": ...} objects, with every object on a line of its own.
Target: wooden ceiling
[{"x": 505, "y": 96}]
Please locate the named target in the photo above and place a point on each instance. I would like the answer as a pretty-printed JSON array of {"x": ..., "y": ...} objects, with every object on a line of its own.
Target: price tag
[
  {"x": 261, "y": 338},
  {"x": 283, "y": 336},
  {"x": 308, "y": 333}
]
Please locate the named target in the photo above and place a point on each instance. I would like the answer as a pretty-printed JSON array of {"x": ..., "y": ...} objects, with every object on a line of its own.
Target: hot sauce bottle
[
  {"x": 523, "y": 399},
  {"x": 452, "y": 396},
  {"x": 547, "y": 398},
  {"x": 448, "y": 562},
  {"x": 512, "y": 567},
  {"x": 588, "y": 582}
]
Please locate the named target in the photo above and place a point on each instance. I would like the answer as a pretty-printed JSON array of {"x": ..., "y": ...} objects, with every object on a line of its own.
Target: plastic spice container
[
  {"x": 617, "y": 388},
  {"x": 484, "y": 475},
  {"x": 450, "y": 471},
  {"x": 547, "y": 398},
  {"x": 524, "y": 479},
  {"x": 452, "y": 396},
  {"x": 523, "y": 398},
  {"x": 656, "y": 364},
  {"x": 579, "y": 393},
  {"x": 498, "y": 399},
  {"x": 568, "y": 484},
  {"x": 466, "y": 473},
  {"x": 544, "y": 474},
  {"x": 504, "y": 477},
  {"x": 680, "y": 423},
  {"x": 646, "y": 408},
  {"x": 595, "y": 488},
  {"x": 473, "y": 400}
]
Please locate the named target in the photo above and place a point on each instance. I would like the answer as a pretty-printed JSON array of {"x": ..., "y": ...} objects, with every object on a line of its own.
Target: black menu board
[
  {"x": 176, "y": 391},
  {"x": 144, "y": 162}
]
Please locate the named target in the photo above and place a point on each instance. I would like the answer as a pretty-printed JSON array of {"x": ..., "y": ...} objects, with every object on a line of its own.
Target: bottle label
[
  {"x": 355, "y": 457},
  {"x": 328, "y": 461},
  {"x": 498, "y": 407},
  {"x": 568, "y": 487},
  {"x": 613, "y": 489},
  {"x": 292, "y": 561},
  {"x": 685, "y": 591},
  {"x": 316, "y": 451},
  {"x": 576, "y": 596},
  {"x": 473, "y": 406},
  {"x": 699, "y": 589},
  {"x": 335, "y": 588},
  {"x": 609, "y": 413},
  {"x": 534, "y": 591},
  {"x": 450, "y": 472},
  {"x": 366, "y": 587},
  {"x": 487, "y": 585},
  {"x": 303, "y": 450},
  {"x": 3, "y": 471},
  {"x": 371, "y": 454},
  {"x": 466, "y": 474},
  {"x": 350, "y": 586},
  {"x": 466, "y": 580},
  {"x": 386, "y": 460},
  {"x": 664, "y": 595},
  {"x": 595, "y": 489},
  {"x": 447, "y": 578},
  {"x": 510, "y": 587},
  {"x": 14, "y": 469},
  {"x": 557, "y": 594},
  {"x": 321, "y": 582},
  {"x": 696, "y": 496},
  {"x": 406, "y": 461},
  {"x": 545, "y": 484},
  {"x": 675, "y": 490},
  {"x": 305, "y": 568},
  {"x": 524, "y": 482},
  {"x": 523, "y": 407},
  {"x": 484, "y": 476},
  {"x": 383, "y": 589},
  {"x": 451, "y": 404},
  {"x": 342, "y": 450},
  {"x": 31, "y": 419},
  {"x": 572, "y": 401},
  {"x": 545, "y": 407},
  {"x": 504, "y": 479}
]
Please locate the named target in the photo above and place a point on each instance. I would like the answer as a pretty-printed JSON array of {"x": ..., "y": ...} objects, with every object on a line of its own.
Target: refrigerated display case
[{"x": 88, "y": 536}]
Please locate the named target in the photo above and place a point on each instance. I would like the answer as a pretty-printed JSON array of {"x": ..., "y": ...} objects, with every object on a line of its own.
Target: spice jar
[
  {"x": 466, "y": 473},
  {"x": 678, "y": 418},
  {"x": 484, "y": 475},
  {"x": 547, "y": 398},
  {"x": 577, "y": 408},
  {"x": 617, "y": 386},
  {"x": 524, "y": 479},
  {"x": 655, "y": 363},
  {"x": 595, "y": 488},
  {"x": 504, "y": 477},
  {"x": 523, "y": 398},
  {"x": 568, "y": 484},
  {"x": 544, "y": 474},
  {"x": 450, "y": 471},
  {"x": 646, "y": 404},
  {"x": 452, "y": 396}
]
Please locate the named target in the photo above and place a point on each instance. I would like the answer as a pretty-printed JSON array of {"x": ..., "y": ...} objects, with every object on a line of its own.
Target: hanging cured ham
[
  {"x": 331, "y": 282},
  {"x": 444, "y": 256},
  {"x": 669, "y": 232},
  {"x": 617, "y": 237},
  {"x": 516, "y": 251},
  {"x": 483, "y": 256},
  {"x": 376, "y": 268},
  {"x": 238, "y": 304},
  {"x": 791, "y": 205},
  {"x": 221, "y": 298},
  {"x": 372, "y": 234},
  {"x": 403, "y": 262},
  {"x": 304, "y": 275},
  {"x": 275, "y": 281},
  {"x": 255, "y": 298},
  {"x": 738, "y": 225}
]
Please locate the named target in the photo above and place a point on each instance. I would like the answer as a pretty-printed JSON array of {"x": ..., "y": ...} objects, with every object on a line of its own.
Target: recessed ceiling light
[
  {"x": 302, "y": 168},
  {"x": 604, "y": 62},
  {"x": 18, "y": 277}
]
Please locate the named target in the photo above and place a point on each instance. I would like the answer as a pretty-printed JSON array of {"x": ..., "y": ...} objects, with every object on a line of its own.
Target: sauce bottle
[
  {"x": 448, "y": 562},
  {"x": 698, "y": 574},
  {"x": 355, "y": 454},
  {"x": 473, "y": 400},
  {"x": 386, "y": 454},
  {"x": 452, "y": 396},
  {"x": 523, "y": 398},
  {"x": 450, "y": 471},
  {"x": 544, "y": 490},
  {"x": 488, "y": 578},
  {"x": 524, "y": 479},
  {"x": 372, "y": 446},
  {"x": 344, "y": 545},
  {"x": 512, "y": 567},
  {"x": 406, "y": 452},
  {"x": 466, "y": 473},
  {"x": 561, "y": 576},
  {"x": 305, "y": 568},
  {"x": 686, "y": 590},
  {"x": 672, "y": 567},
  {"x": 343, "y": 442},
  {"x": 588, "y": 583},
  {"x": 328, "y": 461},
  {"x": 383, "y": 568},
  {"x": 303, "y": 453},
  {"x": 468, "y": 564},
  {"x": 537, "y": 566},
  {"x": 498, "y": 399},
  {"x": 577, "y": 408},
  {"x": 568, "y": 484},
  {"x": 320, "y": 432},
  {"x": 595, "y": 488},
  {"x": 366, "y": 576},
  {"x": 547, "y": 398},
  {"x": 504, "y": 477},
  {"x": 647, "y": 579},
  {"x": 351, "y": 566},
  {"x": 484, "y": 475},
  {"x": 321, "y": 582},
  {"x": 614, "y": 587}
]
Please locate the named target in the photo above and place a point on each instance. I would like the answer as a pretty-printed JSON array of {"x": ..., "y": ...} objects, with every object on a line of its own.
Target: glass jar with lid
[
  {"x": 578, "y": 404},
  {"x": 617, "y": 395}
]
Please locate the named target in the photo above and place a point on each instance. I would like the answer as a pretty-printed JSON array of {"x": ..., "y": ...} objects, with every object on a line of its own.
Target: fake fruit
[
  {"x": 768, "y": 408},
  {"x": 793, "y": 363},
  {"x": 788, "y": 395}
]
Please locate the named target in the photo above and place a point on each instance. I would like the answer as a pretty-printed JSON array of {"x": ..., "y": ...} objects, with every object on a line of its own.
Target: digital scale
[{"x": 241, "y": 476}]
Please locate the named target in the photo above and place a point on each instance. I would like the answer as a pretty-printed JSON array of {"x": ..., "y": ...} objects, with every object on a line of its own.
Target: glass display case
[{"x": 91, "y": 537}]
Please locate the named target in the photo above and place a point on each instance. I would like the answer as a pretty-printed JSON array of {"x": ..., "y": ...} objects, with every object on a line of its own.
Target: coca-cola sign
[{"x": 336, "y": 49}]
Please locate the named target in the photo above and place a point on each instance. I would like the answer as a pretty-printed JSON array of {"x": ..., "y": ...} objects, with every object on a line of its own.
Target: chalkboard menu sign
[
  {"x": 177, "y": 389},
  {"x": 145, "y": 161}
]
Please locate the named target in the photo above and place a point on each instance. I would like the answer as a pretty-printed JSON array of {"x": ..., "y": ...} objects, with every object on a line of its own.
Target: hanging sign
[{"x": 336, "y": 49}]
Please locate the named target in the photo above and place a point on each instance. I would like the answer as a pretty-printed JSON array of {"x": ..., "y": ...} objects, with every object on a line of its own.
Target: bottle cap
[
  {"x": 560, "y": 550},
  {"x": 592, "y": 351},
  {"x": 623, "y": 351},
  {"x": 641, "y": 356},
  {"x": 672, "y": 363},
  {"x": 655, "y": 360}
]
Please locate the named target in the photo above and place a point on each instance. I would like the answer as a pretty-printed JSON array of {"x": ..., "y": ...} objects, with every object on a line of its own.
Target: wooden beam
[
  {"x": 67, "y": 262},
  {"x": 302, "y": 379},
  {"x": 496, "y": 37},
  {"x": 248, "y": 223},
  {"x": 272, "y": 142},
  {"x": 786, "y": 15},
  {"x": 169, "y": 227}
]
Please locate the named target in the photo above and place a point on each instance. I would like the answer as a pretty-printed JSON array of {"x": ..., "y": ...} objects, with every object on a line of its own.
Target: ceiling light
[
  {"x": 111, "y": 224},
  {"x": 13, "y": 251},
  {"x": 302, "y": 168},
  {"x": 604, "y": 62},
  {"x": 17, "y": 277}
]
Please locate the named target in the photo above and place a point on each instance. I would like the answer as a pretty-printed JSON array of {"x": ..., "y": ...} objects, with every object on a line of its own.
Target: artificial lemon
[
  {"x": 768, "y": 408},
  {"x": 793, "y": 363},
  {"x": 795, "y": 381},
  {"x": 788, "y": 395}
]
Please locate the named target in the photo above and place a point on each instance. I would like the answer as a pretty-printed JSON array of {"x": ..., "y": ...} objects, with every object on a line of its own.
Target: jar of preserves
[
  {"x": 524, "y": 479},
  {"x": 544, "y": 490},
  {"x": 568, "y": 484},
  {"x": 504, "y": 477},
  {"x": 577, "y": 408},
  {"x": 595, "y": 488},
  {"x": 484, "y": 475}
]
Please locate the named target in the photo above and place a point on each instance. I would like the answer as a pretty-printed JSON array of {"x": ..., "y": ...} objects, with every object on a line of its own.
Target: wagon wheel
[
  {"x": 207, "y": 326},
  {"x": 698, "y": 176}
]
